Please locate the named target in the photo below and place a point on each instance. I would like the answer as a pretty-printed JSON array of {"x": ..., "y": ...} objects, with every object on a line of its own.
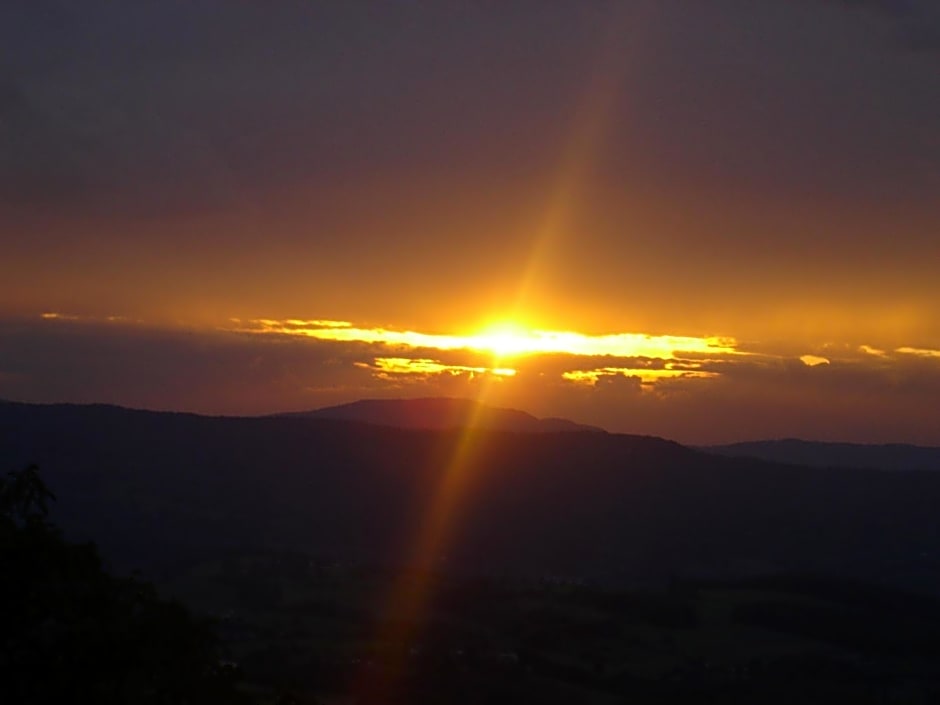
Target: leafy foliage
[{"x": 71, "y": 632}]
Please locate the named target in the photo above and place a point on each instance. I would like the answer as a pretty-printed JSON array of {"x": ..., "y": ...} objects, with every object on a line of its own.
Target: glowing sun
[{"x": 505, "y": 340}]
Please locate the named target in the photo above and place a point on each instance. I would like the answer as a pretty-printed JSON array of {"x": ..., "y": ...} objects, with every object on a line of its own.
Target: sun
[{"x": 505, "y": 340}]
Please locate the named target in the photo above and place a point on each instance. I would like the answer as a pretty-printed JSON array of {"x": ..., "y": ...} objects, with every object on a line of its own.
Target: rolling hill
[
  {"x": 158, "y": 489},
  {"x": 441, "y": 413},
  {"x": 891, "y": 456}
]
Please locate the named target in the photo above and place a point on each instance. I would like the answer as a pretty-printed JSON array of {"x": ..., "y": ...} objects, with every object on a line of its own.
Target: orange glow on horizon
[{"x": 504, "y": 340}]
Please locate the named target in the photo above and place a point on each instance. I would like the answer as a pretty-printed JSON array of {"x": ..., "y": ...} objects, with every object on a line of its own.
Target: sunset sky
[{"x": 710, "y": 221}]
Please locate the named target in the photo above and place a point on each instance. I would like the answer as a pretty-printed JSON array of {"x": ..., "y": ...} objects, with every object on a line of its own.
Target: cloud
[
  {"x": 857, "y": 396},
  {"x": 916, "y": 22},
  {"x": 424, "y": 368},
  {"x": 813, "y": 360},
  {"x": 647, "y": 376},
  {"x": 920, "y": 352},
  {"x": 148, "y": 108},
  {"x": 891, "y": 8},
  {"x": 503, "y": 342},
  {"x": 195, "y": 370},
  {"x": 869, "y": 350}
]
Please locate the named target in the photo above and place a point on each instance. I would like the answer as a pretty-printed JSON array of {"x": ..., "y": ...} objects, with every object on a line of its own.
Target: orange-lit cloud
[
  {"x": 919, "y": 352},
  {"x": 506, "y": 350},
  {"x": 56, "y": 316},
  {"x": 425, "y": 367},
  {"x": 813, "y": 360},
  {"x": 646, "y": 376},
  {"x": 504, "y": 341},
  {"x": 650, "y": 358},
  {"x": 760, "y": 389},
  {"x": 869, "y": 350}
]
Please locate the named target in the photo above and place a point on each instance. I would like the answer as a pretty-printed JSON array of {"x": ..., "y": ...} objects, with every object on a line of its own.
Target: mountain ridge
[
  {"x": 441, "y": 413},
  {"x": 156, "y": 488},
  {"x": 823, "y": 454}
]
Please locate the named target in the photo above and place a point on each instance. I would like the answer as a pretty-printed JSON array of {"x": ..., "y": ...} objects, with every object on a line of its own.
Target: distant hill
[
  {"x": 441, "y": 414},
  {"x": 814, "y": 454},
  {"x": 156, "y": 489}
]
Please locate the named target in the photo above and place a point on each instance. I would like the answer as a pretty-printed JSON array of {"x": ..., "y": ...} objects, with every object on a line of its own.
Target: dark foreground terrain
[
  {"x": 316, "y": 630},
  {"x": 568, "y": 566},
  {"x": 891, "y": 456}
]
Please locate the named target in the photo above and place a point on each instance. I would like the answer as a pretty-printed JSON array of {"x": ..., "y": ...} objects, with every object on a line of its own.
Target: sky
[{"x": 710, "y": 221}]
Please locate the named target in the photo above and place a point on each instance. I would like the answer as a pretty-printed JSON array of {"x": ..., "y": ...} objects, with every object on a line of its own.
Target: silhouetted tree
[
  {"x": 24, "y": 497},
  {"x": 72, "y": 633}
]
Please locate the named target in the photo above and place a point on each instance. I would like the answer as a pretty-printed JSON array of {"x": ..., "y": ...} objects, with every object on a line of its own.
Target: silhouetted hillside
[
  {"x": 154, "y": 488},
  {"x": 74, "y": 633},
  {"x": 441, "y": 414},
  {"x": 892, "y": 456}
]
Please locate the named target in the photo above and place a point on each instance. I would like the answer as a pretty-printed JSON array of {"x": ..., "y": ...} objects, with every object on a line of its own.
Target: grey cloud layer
[
  {"x": 153, "y": 107},
  {"x": 916, "y": 22}
]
